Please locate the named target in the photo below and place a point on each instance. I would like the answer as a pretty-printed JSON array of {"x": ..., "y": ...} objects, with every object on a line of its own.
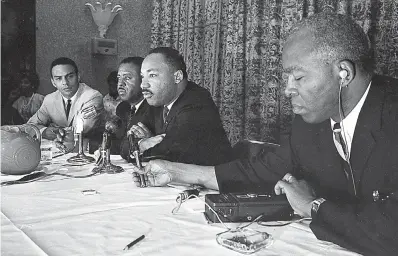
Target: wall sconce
[{"x": 103, "y": 17}]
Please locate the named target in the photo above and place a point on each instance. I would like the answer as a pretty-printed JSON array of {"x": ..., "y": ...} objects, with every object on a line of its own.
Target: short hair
[
  {"x": 112, "y": 77},
  {"x": 338, "y": 37},
  {"x": 136, "y": 61},
  {"x": 63, "y": 61},
  {"x": 173, "y": 58},
  {"x": 32, "y": 77},
  {"x": 133, "y": 60}
]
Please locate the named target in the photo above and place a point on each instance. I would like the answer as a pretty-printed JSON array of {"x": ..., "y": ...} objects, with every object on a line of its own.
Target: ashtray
[{"x": 244, "y": 241}]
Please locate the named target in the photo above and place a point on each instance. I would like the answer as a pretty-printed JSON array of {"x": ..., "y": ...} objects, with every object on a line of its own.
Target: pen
[{"x": 134, "y": 242}]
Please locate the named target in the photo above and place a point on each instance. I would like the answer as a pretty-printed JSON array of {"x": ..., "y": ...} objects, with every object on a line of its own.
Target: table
[{"x": 53, "y": 217}]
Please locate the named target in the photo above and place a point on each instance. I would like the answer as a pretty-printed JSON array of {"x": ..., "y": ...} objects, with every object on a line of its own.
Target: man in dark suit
[
  {"x": 340, "y": 166},
  {"x": 133, "y": 108},
  {"x": 188, "y": 127}
]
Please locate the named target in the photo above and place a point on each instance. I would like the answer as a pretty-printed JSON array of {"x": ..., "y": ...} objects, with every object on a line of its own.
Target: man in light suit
[
  {"x": 340, "y": 165},
  {"x": 61, "y": 108}
]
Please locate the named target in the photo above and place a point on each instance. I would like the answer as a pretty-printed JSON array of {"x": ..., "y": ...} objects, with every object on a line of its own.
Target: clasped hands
[{"x": 147, "y": 141}]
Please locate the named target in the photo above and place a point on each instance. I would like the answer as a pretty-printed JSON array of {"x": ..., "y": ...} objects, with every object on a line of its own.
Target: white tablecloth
[{"x": 53, "y": 217}]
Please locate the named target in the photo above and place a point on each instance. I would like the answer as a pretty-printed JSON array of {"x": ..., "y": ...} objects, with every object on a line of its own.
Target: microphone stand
[
  {"x": 80, "y": 157},
  {"x": 105, "y": 165},
  {"x": 134, "y": 150}
]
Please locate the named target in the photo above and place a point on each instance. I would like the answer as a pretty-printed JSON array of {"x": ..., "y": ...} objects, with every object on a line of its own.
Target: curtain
[{"x": 233, "y": 48}]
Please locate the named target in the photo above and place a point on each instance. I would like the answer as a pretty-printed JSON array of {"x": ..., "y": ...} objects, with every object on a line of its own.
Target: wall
[{"x": 65, "y": 28}]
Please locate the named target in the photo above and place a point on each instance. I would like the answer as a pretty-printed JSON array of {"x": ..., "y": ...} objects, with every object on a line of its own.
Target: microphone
[
  {"x": 80, "y": 158},
  {"x": 112, "y": 126},
  {"x": 134, "y": 152}
]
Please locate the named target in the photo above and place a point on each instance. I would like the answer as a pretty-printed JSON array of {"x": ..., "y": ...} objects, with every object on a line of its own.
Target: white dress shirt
[{"x": 348, "y": 125}]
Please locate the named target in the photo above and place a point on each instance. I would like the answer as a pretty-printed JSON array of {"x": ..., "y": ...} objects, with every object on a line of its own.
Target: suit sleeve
[
  {"x": 369, "y": 227},
  {"x": 195, "y": 136},
  {"x": 41, "y": 118},
  {"x": 96, "y": 101},
  {"x": 256, "y": 174}
]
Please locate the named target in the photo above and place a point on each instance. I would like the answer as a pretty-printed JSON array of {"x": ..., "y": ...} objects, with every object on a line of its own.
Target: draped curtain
[{"x": 233, "y": 48}]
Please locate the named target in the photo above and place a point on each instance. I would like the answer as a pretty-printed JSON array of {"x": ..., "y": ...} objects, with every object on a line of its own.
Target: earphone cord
[{"x": 348, "y": 154}]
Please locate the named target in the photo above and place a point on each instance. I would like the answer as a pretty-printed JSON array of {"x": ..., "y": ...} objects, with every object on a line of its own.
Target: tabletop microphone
[{"x": 112, "y": 126}]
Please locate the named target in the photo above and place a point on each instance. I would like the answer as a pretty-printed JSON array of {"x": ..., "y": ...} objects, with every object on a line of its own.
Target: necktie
[
  {"x": 131, "y": 117},
  {"x": 68, "y": 108},
  {"x": 339, "y": 138},
  {"x": 165, "y": 113}
]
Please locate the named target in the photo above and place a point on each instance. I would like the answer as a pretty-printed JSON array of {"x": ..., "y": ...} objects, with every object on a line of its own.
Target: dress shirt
[
  {"x": 348, "y": 125},
  {"x": 138, "y": 105},
  {"x": 71, "y": 100},
  {"x": 171, "y": 104}
]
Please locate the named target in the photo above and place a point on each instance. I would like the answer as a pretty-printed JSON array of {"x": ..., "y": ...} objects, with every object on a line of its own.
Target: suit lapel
[
  {"x": 174, "y": 109},
  {"x": 60, "y": 107},
  {"x": 367, "y": 131},
  {"x": 329, "y": 152}
]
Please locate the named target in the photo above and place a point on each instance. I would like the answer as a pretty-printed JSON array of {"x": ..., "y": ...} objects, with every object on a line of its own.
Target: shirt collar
[
  {"x": 171, "y": 103},
  {"x": 138, "y": 105},
  {"x": 350, "y": 121},
  {"x": 352, "y": 117}
]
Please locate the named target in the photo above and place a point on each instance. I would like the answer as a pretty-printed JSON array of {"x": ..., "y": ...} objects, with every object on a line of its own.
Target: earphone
[{"x": 343, "y": 74}]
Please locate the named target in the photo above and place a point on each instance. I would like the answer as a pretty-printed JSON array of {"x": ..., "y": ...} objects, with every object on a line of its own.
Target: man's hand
[
  {"x": 298, "y": 192},
  {"x": 155, "y": 174},
  {"x": 140, "y": 131},
  {"x": 150, "y": 142},
  {"x": 50, "y": 133},
  {"x": 63, "y": 139}
]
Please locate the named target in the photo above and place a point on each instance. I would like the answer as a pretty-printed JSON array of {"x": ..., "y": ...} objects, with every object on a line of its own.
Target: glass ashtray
[{"x": 244, "y": 241}]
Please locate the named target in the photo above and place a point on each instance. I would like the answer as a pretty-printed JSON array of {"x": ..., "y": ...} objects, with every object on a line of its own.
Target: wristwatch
[{"x": 316, "y": 203}]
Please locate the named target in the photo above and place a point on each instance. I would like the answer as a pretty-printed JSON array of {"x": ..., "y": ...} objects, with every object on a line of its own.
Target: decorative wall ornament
[{"x": 103, "y": 17}]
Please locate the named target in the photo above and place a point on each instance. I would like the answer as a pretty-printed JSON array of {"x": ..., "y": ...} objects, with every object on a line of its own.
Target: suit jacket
[
  {"x": 144, "y": 114},
  {"x": 193, "y": 128},
  {"x": 52, "y": 111},
  {"x": 355, "y": 222}
]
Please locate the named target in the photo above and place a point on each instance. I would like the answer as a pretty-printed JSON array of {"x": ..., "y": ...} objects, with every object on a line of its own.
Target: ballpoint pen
[{"x": 134, "y": 242}]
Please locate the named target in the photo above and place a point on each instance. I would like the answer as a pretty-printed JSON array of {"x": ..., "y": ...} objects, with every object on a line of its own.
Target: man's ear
[
  {"x": 52, "y": 81},
  {"x": 178, "y": 76},
  {"x": 347, "y": 68},
  {"x": 78, "y": 77}
]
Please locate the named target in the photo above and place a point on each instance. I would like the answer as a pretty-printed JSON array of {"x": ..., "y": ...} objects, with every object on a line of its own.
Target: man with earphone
[{"x": 340, "y": 165}]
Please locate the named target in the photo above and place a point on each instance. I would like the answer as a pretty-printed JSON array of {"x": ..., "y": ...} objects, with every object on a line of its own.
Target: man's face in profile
[
  {"x": 65, "y": 79},
  {"x": 129, "y": 82},
  {"x": 310, "y": 82},
  {"x": 158, "y": 80}
]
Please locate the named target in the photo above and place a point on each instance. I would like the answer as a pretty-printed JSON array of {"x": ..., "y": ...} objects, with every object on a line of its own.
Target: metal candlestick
[{"x": 81, "y": 157}]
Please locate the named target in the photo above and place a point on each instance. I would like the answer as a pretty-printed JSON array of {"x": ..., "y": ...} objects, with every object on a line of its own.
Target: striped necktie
[
  {"x": 340, "y": 140},
  {"x": 165, "y": 113}
]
